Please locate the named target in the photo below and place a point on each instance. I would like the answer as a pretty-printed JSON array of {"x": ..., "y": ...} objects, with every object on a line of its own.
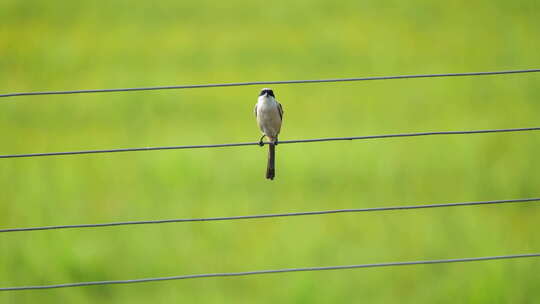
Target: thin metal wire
[
  {"x": 195, "y": 86},
  {"x": 281, "y": 142},
  {"x": 246, "y": 217},
  {"x": 246, "y": 273}
]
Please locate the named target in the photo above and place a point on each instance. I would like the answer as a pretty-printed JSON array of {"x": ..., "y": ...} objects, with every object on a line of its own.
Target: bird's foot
[{"x": 261, "y": 141}]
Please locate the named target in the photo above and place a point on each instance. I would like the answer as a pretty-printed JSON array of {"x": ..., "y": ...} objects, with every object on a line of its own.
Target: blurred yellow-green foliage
[{"x": 60, "y": 45}]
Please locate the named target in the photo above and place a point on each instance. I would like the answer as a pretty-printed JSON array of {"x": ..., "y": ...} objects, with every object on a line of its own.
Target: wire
[
  {"x": 246, "y": 273},
  {"x": 280, "y": 142},
  {"x": 234, "y": 84},
  {"x": 245, "y": 217}
]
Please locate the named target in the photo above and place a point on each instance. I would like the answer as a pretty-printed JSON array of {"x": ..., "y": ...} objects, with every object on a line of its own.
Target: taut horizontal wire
[
  {"x": 234, "y": 84},
  {"x": 281, "y": 142},
  {"x": 246, "y": 217},
  {"x": 246, "y": 273}
]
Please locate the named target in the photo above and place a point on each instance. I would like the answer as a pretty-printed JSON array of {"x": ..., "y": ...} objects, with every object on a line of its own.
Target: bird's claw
[{"x": 261, "y": 141}]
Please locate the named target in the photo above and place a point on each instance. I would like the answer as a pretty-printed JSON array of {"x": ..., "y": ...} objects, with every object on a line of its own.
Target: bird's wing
[{"x": 280, "y": 109}]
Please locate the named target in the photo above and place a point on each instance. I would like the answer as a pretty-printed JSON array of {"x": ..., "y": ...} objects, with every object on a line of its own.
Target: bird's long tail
[{"x": 270, "y": 170}]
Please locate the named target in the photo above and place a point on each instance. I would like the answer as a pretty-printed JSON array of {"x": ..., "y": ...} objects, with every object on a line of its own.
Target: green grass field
[{"x": 63, "y": 45}]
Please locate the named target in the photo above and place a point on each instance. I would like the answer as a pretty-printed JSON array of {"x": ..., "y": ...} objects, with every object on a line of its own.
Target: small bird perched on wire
[{"x": 269, "y": 115}]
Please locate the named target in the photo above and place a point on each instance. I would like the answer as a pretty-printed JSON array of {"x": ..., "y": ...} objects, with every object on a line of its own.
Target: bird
[{"x": 269, "y": 114}]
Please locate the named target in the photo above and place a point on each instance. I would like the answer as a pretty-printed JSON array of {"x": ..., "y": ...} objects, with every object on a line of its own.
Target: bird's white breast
[{"x": 268, "y": 116}]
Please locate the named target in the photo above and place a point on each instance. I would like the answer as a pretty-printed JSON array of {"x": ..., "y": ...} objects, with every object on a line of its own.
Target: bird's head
[{"x": 267, "y": 92}]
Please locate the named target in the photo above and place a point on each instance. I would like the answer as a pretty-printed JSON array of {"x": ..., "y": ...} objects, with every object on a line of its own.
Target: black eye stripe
[{"x": 270, "y": 92}]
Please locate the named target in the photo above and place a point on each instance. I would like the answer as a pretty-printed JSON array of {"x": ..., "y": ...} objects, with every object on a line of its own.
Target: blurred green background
[{"x": 62, "y": 45}]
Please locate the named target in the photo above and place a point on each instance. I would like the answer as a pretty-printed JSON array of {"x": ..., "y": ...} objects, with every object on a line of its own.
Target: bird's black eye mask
[{"x": 270, "y": 92}]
